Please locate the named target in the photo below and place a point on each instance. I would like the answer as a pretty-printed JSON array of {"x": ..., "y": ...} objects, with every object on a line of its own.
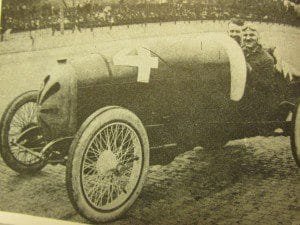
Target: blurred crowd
[{"x": 21, "y": 17}]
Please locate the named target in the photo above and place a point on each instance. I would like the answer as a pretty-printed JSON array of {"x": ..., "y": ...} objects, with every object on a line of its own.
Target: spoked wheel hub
[
  {"x": 30, "y": 142},
  {"x": 107, "y": 162},
  {"x": 111, "y": 166},
  {"x": 30, "y": 136},
  {"x": 25, "y": 137}
]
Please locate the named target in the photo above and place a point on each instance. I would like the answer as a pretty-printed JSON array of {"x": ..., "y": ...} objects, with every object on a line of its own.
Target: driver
[
  {"x": 261, "y": 86},
  {"x": 260, "y": 63},
  {"x": 266, "y": 88}
]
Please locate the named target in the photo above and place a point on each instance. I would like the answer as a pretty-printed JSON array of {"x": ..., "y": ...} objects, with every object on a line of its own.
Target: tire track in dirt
[{"x": 248, "y": 182}]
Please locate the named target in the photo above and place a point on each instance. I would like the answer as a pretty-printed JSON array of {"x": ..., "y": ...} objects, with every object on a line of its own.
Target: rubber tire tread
[
  {"x": 7, "y": 156},
  {"x": 85, "y": 210},
  {"x": 292, "y": 137}
]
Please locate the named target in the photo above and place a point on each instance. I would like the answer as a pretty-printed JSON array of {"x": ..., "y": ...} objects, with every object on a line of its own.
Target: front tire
[
  {"x": 20, "y": 116},
  {"x": 107, "y": 164},
  {"x": 295, "y": 134}
]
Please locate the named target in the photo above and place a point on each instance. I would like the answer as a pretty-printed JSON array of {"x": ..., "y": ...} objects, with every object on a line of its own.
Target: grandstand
[{"x": 28, "y": 15}]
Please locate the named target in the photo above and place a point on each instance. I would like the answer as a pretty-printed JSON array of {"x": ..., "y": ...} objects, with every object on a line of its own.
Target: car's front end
[
  {"x": 63, "y": 98},
  {"x": 57, "y": 102}
]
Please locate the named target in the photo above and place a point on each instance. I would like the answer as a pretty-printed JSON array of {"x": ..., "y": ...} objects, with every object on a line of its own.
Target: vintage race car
[{"x": 105, "y": 115}]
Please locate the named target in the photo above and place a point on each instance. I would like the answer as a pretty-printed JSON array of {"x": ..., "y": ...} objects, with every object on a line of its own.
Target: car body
[{"x": 193, "y": 90}]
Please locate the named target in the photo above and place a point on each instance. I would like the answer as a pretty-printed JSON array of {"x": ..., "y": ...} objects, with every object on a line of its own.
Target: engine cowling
[{"x": 75, "y": 88}]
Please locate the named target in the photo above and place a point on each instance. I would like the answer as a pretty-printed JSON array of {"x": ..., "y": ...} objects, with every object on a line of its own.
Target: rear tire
[
  {"x": 295, "y": 134},
  {"x": 107, "y": 164}
]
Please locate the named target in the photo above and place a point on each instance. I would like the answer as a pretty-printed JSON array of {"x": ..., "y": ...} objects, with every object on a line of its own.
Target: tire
[
  {"x": 12, "y": 121},
  {"x": 295, "y": 134},
  {"x": 89, "y": 160}
]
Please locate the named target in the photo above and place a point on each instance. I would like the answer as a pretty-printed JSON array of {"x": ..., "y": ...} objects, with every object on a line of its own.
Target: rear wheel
[
  {"x": 107, "y": 164},
  {"x": 20, "y": 134},
  {"x": 295, "y": 134}
]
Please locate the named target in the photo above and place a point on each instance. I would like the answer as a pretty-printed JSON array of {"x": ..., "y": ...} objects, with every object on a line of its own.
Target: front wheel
[
  {"x": 21, "y": 138},
  {"x": 107, "y": 164},
  {"x": 295, "y": 134}
]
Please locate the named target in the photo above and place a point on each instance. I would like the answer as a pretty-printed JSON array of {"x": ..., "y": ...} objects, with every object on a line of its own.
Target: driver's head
[
  {"x": 234, "y": 29},
  {"x": 250, "y": 37}
]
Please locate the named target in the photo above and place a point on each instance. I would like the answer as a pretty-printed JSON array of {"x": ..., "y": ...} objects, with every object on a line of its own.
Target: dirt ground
[{"x": 250, "y": 181}]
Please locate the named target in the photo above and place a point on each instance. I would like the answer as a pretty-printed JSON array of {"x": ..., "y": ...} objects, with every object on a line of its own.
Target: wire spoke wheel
[
  {"x": 108, "y": 163},
  {"x": 20, "y": 135},
  {"x": 24, "y": 118},
  {"x": 111, "y": 166}
]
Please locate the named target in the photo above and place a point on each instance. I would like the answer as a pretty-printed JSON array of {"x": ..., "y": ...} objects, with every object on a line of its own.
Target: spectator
[
  {"x": 15, "y": 15},
  {"x": 54, "y": 23},
  {"x": 74, "y": 19},
  {"x": 90, "y": 19}
]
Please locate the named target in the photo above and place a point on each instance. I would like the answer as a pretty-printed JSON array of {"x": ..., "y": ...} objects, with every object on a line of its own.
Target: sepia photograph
[{"x": 162, "y": 112}]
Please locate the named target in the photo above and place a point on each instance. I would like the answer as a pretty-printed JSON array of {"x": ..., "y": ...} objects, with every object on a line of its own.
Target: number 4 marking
[{"x": 143, "y": 61}]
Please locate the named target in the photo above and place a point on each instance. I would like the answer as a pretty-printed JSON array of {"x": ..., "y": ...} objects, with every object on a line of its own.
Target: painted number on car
[{"x": 142, "y": 60}]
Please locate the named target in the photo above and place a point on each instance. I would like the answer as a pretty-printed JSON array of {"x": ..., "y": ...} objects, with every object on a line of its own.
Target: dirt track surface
[{"x": 250, "y": 181}]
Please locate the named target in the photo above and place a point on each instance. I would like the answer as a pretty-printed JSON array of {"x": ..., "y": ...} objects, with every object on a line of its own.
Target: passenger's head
[
  {"x": 250, "y": 37},
  {"x": 234, "y": 29}
]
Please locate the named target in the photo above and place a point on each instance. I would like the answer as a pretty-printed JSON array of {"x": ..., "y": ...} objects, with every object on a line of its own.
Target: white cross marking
[{"x": 143, "y": 60}]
